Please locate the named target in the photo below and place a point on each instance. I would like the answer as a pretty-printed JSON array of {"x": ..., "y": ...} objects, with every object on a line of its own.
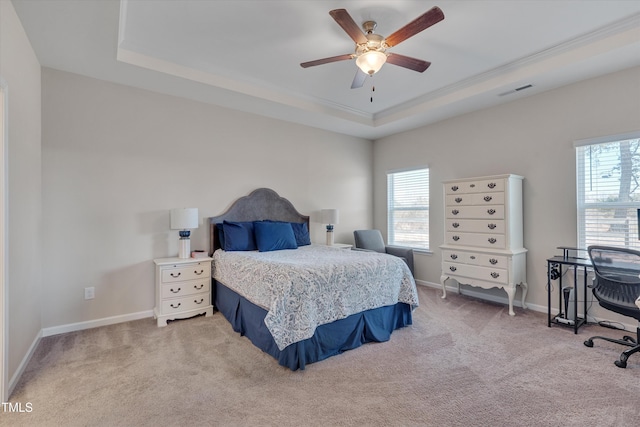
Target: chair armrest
[{"x": 405, "y": 253}]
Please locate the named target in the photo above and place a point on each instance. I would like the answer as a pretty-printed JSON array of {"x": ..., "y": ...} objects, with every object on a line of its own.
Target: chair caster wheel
[
  {"x": 589, "y": 343},
  {"x": 620, "y": 363}
]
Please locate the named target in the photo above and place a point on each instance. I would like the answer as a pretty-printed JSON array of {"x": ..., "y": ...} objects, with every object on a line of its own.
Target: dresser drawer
[
  {"x": 186, "y": 272},
  {"x": 475, "y": 212},
  {"x": 190, "y": 302},
  {"x": 479, "y": 186},
  {"x": 476, "y": 258},
  {"x": 476, "y": 225},
  {"x": 171, "y": 290},
  {"x": 495, "y": 241},
  {"x": 488, "y": 274},
  {"x": 475, "y": 199}
]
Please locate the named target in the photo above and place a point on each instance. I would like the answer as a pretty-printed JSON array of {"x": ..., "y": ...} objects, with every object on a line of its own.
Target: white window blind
[
  {"x": 408, "y": 208},
  {"x": 608, "y": 179}
]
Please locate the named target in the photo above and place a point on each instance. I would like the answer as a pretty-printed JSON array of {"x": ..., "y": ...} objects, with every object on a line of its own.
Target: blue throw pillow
[
  {"x": 219, "y": 227},
  {"x": 274, "y": 236},
  {"x": 238, "y": 236},
  {"x": 301, "y": 231}
]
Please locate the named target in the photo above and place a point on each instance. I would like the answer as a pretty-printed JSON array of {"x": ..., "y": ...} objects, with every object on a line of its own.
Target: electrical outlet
[{"x": 89, "y": 293}]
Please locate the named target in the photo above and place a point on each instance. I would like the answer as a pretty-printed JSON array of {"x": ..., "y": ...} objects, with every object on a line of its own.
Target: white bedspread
[{"x": 313, "y": 285}]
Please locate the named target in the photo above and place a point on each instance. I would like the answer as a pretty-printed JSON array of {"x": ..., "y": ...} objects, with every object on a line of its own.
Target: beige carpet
[{"x": 464, "y": 362}]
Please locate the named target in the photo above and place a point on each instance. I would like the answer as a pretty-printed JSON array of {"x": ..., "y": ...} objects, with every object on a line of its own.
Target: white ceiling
[{"x": 245, "y": 54}]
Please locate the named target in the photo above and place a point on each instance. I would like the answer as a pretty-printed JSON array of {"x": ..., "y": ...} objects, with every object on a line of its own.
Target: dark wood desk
[{"x": 576, "y": 263}]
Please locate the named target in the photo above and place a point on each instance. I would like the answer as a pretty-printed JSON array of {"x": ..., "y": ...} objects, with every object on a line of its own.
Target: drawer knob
[
  {"x": 472, "y": 186},
  {"x": 175, "y": 306},
  {"x": 453, "y": 256},
  {"x": 198, "y": 302},
  {"x": 455, "y": 211},
  {"x": 176, "y": 291},
  {"x": 487, "y": 198},
  {"x": 491, "y": 211},
  {"x": 199, "y": 287},
  {"x": 452, "y": 268},
  {"x": 458, "y": 199},
  {"x": 495, "y": 275},
  {"x": 493, "y": 261},
  {"x": 456, "y": 238},
  {"x": 491, "y": 240},
  {"x": 198, "y": 272},
  {"x": 491, "y": 185},
  {"x": 472, "y": 257},
  {"x": 455, "y": 188},
  {"x": 455, "y": 225},
  {"x": 175, "y": 275},
  {"x": 491, "y": 226}
]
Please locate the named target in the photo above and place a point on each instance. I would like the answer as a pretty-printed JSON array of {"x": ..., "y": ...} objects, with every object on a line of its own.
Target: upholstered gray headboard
[{"x": 263, "y": 203}]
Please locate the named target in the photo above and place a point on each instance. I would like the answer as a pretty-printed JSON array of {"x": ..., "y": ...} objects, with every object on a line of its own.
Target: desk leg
[
  {"x": 575, "y": 299},
  {"x": 548, "y": 294},
  {"x": 585, "y": 295}
]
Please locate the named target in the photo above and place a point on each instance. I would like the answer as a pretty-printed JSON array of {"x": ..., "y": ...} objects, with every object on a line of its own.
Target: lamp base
[
  {"x": 329, "y": 238},
  {"x": 184, "y": 247}
]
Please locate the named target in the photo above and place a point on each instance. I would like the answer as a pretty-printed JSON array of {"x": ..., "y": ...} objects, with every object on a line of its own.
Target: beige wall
[
  {"x": 20, "y": 71},
  {"x": 117, "y": 159},
  {"x": 532, "y": 137}
]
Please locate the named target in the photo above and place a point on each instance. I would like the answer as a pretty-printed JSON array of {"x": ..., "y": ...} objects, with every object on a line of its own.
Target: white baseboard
[
  {"x": 517, "y": 302},
  {"x": 71, "y": 327},
  {"x": 23, "y": 365},
  {"x": 55, "y": 330}
]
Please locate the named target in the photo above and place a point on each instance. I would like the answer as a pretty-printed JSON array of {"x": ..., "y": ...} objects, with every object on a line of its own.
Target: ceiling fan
[{"x": 371, "y": 49}]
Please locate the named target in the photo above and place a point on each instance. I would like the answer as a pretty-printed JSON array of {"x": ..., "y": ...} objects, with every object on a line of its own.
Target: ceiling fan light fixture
[{"x": 370, "y": 62}]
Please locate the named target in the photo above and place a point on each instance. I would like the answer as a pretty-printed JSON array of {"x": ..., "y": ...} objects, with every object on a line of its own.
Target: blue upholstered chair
[{"x": 371, "y": 240}]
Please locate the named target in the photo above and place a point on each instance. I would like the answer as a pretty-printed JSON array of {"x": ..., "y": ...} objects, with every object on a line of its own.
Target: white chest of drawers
[
  {"x": 483, "y": 236},
  {"x": 183, "y": 288}
]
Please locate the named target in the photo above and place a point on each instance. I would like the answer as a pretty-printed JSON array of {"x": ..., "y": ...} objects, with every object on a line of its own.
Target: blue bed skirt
[{"x": 374, "y": 325}]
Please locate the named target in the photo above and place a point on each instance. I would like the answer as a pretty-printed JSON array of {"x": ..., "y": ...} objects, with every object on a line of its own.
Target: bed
[{"x": 301, "y": 302}]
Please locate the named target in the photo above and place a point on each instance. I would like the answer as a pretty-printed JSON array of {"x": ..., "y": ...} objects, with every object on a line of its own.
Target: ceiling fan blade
[
  {"x": 422, "y": 22},
  {"x": 347, "y": 23},
  {"x": 359, "y": 79},
  {"x": 327, "y": 60},
  {"x": 408, "y": 62}
]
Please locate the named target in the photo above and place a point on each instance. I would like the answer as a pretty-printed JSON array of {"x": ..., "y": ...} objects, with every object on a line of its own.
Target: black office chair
[
  {"x": 371, "y": 240},
  {"x": 617, "y": 288}
]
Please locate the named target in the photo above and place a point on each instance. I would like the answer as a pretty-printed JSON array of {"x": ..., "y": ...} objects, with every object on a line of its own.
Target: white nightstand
[{"x": 183, "y": 288}]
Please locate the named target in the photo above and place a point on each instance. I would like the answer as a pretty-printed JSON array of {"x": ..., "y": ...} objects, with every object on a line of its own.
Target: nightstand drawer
[
  {"x": 172, "y": 290},
  {"x": 189, "y": 272},
  {"x": 191, "y": 302}
]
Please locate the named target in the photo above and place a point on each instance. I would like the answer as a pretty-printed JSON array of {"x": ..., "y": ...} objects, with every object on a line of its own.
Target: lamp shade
[
  {"x": 371, "y": 62},
  {"x": 330, "y": 216},
  {"x": 184, "y": 218}
]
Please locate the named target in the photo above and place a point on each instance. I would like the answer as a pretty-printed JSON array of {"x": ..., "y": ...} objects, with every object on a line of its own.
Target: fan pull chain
[{"x": 373, "y": 89}]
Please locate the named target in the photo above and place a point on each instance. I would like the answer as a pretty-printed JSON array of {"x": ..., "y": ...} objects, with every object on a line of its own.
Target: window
[
  {"x": 608, "y": 191},
  {"x": 408, "y": 208}
]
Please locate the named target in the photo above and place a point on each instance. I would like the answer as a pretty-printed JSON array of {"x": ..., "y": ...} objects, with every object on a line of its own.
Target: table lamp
[{"x": 184, "y": 219}]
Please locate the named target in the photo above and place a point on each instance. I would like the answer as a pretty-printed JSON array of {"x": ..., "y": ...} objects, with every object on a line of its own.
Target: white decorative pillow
[{"x": 638, "y": 302}]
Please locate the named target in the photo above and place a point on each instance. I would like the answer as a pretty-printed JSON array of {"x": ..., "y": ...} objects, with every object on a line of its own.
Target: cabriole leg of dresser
[
  {"x": 511, "y": 292},
  {"x": 443, "y": 279},
  {"x": 524, "y": 293}
]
